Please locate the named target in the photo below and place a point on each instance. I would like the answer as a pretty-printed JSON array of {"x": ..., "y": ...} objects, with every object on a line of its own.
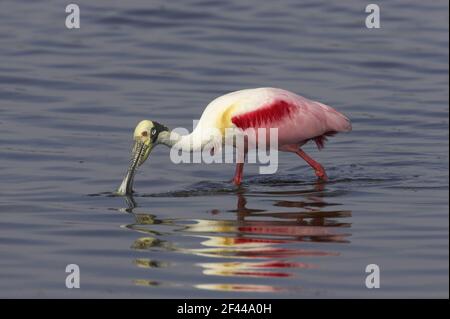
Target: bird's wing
[
  {"x": 279, "y": 108},
  {"x": 266, "y": 107},
  {"x": 297, "y": 118},
  {"x": 268, "y": 114},
  {"x": 221, "y": 111}
]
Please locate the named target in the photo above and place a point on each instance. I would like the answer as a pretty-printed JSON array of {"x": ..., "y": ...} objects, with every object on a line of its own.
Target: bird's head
[{"x": 147, "y": 135}]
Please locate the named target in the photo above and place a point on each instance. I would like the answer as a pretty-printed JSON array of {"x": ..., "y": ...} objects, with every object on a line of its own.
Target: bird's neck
[{"x": 188, "y": 143}]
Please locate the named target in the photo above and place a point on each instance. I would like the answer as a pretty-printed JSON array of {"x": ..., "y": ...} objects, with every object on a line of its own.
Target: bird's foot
[
  {"x": 236, "y": 181},
  {"x": 321, "y": 175}
]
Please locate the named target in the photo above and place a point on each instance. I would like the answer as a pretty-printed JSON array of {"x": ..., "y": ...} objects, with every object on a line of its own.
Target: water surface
[{"x": 69, "y": 101}]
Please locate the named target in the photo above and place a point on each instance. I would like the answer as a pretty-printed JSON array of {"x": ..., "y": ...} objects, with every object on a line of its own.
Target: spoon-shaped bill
[
  {"x": 139, "y": 149},
  {"x": 126, "y": 187}
]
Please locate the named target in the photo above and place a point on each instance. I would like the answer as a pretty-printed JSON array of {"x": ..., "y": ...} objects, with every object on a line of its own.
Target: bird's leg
[
  {"x": 238, "y": 174},
  {"x": 318, "y": 168},
  {"x": 237, "y": 179}
]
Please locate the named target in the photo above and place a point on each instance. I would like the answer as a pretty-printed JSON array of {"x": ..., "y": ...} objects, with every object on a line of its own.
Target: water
[{"x": 69, "y": 101}]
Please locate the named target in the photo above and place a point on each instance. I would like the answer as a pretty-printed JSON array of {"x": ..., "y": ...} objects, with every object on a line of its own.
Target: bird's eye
[{"x": 153, "y": 132}]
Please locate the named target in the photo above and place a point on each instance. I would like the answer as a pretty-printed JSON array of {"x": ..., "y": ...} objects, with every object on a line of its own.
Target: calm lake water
[{"x": 69, "y": 101}]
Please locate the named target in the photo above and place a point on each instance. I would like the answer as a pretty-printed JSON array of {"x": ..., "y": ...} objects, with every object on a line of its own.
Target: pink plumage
[
  {"x": 297, "y": 119},
  {"x": 265, "y": 115}
]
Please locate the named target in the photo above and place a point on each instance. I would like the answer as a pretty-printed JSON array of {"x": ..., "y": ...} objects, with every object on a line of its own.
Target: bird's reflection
[{"x": 254, "y": 242}]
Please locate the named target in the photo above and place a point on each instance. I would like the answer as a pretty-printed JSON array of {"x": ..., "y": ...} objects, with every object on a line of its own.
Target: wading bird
[{"x": 298, "y": 120}]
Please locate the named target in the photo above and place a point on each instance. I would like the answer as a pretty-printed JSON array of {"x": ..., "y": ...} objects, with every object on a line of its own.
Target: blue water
[{"x": 69, "y": 101}]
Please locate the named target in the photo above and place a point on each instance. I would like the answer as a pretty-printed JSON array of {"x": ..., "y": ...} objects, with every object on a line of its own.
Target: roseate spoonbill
[{"x": 297, "y": 119}]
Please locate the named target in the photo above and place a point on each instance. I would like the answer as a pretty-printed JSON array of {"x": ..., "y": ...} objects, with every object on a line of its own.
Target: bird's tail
[
  {"x": 338, "y": 122},
  {"x": 341, "y": 123}
]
